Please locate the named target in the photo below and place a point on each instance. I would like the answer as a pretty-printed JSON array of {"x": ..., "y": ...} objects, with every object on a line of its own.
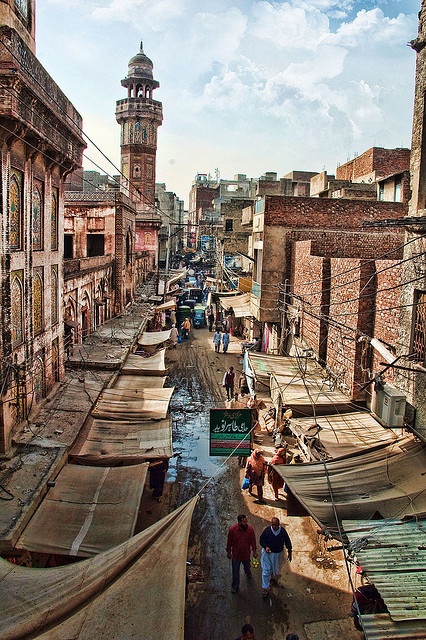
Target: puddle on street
[{"x": 191, "y": 431}]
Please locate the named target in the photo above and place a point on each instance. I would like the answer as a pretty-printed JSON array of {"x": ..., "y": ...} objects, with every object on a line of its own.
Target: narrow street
[{"x": 312, "y": 597}]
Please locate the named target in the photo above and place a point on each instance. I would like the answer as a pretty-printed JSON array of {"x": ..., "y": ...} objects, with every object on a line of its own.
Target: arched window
[
  {"x": 15, "y": 210},
  {"x": 17, "y": 315},
  {"x": 37, "y": 218},
  {"x": 138, "y": 129},
  {"x": 54, "y": 295},
  {"x": 55, "y": 360},
  {"x": 148, "y": 238},
  {"x": 39, "y": 380},
  {"x": 54, "y": 219},
  {"x": 37, "y": 303}
]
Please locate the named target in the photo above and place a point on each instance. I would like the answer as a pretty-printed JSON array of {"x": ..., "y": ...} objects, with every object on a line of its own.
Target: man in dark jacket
[
  {"x": 228, "y": 382},
  {"x": 272, "y": 540},
  {"x": 241, "y": 541}
]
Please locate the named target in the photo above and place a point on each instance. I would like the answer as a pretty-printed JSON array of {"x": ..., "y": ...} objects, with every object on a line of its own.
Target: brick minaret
[{"x": 139, "y": 117}]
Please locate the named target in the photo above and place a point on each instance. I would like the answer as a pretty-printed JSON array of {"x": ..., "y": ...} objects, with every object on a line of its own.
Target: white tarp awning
[
  {"x": 139, "y": 382},
  {"x": 170, "y": 304},
  {"x": 175, "y": 278},
  {"x": 112, "y": 442},
  {"x": 379, "y": 483},
  {"x": 153, "y": 365},
  {"x": 239, "y": 303},
  {"x": 151, "y": 338},
  {"x": 89, "y": 510},
  {"x": 338, "y": 435},
  {"x": 135, "y": 590},
  {"x": 301, "y": 385},
  {"x": 133, "y": 404}
]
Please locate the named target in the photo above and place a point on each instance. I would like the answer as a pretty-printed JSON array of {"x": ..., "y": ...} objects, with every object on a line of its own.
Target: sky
[{"x": 247, "y": 86}]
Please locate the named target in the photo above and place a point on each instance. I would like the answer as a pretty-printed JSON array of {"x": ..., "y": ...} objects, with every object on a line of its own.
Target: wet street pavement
[{"x": 312, "y": 597}]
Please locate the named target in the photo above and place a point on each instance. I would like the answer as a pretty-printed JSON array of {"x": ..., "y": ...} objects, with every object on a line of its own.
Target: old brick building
[
  {"x": 41, "y": 141},
  {"x": 411, "y": 377},
  {"x": 100, "y": 261},
  {"x": 318, "y": 274}
]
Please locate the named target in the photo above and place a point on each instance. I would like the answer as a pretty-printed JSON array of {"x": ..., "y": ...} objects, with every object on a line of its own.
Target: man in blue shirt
[
  {"x": 272, "y": 540},
  {"x": 225, "y": 341}
]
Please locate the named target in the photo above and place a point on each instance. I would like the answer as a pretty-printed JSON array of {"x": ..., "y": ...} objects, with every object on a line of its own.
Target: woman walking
[{"x": 255, "y": 472}]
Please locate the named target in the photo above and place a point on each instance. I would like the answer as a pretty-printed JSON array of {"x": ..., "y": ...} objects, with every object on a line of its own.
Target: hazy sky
[{"x": 247, "y": 86}]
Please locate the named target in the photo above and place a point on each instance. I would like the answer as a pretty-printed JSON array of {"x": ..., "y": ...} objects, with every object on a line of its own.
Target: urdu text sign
[{"x": 230, "y": 432}]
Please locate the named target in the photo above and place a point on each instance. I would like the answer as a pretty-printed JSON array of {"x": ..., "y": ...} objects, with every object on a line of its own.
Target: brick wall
[
  {"x": 387, "y": 318},
  {"x": 384, "y": 162},
  {"x": 359, "y": 296},
  {"x": 327, "y": 213}
]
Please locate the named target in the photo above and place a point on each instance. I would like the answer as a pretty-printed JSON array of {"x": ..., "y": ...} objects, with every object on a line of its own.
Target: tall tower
[{"x": 139, "y": 117}]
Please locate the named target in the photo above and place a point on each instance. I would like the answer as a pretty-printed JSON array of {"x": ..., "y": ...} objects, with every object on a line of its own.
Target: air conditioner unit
[{"x": 389, "y": 406}]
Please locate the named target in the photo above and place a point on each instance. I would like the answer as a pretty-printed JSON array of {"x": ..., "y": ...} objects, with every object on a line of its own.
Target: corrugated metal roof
[
  {"x": 381, "y": 627},
  {"x": 393, "y": 554}
]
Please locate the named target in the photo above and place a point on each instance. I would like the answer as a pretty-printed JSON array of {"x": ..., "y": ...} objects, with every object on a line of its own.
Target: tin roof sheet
[{"x": 393, "y": 554}]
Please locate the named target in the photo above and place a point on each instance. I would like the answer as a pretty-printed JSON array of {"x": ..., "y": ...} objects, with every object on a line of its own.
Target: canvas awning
[
  {"x": 170, "y": 304},
  {"x": 300, "y": 385},
  {"x": 339, "y": 435},
  {"x": 133, "y": 404},
  {"x": 112, "y": 442},
  {"x": 175, "y": 278},
  {"x": 150, "y": 338},
  {"x": 89, "y": 510},
  {"x": 239, "y": 303},
  {"x": 135, "y": 590},
  {"x": 139, "y": 382},
  {"x": 378, "y": 483},
  {"x": 153, "y": 365}
]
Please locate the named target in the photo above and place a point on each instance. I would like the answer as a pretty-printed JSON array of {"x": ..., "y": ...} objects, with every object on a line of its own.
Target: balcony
[{"x": 76, "y": 266}]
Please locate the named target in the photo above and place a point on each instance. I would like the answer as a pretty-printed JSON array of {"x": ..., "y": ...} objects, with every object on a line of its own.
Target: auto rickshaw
[{"x": 199, "y": 317}]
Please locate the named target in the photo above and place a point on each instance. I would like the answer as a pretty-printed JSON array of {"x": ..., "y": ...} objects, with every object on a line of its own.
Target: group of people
[
  {"x": 219, "y": 339},
  {"x": 241, "y": 545},
  {"x": 257, "y": 468}
]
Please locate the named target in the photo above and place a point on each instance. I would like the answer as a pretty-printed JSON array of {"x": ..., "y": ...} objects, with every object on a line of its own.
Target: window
[
  {"x": 15, "y": 209},
  {"x": 398, "y": 190},
  {"x": 37, "y": 302},
  {"x": 37, "y": 217},
  {"x": 54, "y": 219},
  {"x": 55, "y": 295},
  {"x": 39, "y": 380},
  {"x": 229, "y": 224},
  {"x": 68, "y": 246},
  {"x": 418, "y": 346},
  {"x": 95, "y": 245},
  {"x": 17, "y": 316},
  {"x": 55, "y": 360}
]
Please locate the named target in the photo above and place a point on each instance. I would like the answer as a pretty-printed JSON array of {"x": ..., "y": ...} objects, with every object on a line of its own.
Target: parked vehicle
[{"x": 199, "y": 318}]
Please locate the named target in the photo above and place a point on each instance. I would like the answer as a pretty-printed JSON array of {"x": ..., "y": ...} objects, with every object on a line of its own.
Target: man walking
[
  {"x": 228, "y": 382},
  {"x": 216, "y": 340},
  {"x": 241, "y": 541},
  {"x": 210, "y": 318},
  {"x": 225, "y": 341},
  {"x": 272, "y": 540}
]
